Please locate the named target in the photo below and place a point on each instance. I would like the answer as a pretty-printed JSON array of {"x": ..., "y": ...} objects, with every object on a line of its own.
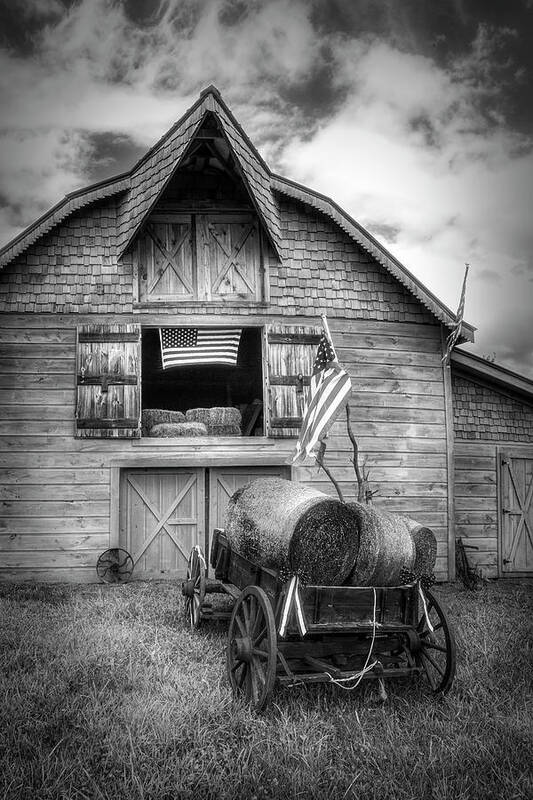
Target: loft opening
[{"x": 187, "y": 387}]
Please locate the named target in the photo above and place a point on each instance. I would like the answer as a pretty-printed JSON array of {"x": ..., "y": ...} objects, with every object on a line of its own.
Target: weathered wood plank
[
  {"x": 32, "y": 380},
  {"x": 467, "y": 463},
  {"x": 476, "y": 503},
  {"x": 19, "y": 412},
  {"x": 45, "y": 476},
  {"x": 54, "y": 508},
  {"x": 360, "y": 355},
  {"x": 468, "y": 532},
  {"x": 68, "y": 575},
  {"x": 57, "y": 366},
  {"x": 475, "y": 518},
  {"x": 34, "y": 542},
  {"x": 39, "y": 427},
  {"x": 41, "y": 397},
  {"x": 465, "y": 490},
  {"x": 392, "y": 371},
  {"x": 48, "y": 559},
  {"x": 37, "y": 336},
  {"x": 44, "y": 491},
  {"x": 475, "y": 476},
  {"x": 60, "y": 524},
  {"x": 31, "y": 350},
  {"x": 426, "y": 476}
]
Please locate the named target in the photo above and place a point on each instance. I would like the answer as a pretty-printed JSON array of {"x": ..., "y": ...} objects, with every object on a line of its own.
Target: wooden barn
[{"x": 201, "y": 239}]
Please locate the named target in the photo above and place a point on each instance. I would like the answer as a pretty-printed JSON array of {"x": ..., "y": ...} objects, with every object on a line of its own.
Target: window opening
[{"x": 186, "y": 388}]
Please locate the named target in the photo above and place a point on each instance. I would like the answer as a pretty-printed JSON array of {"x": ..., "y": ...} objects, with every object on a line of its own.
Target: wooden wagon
[{"x": 280, "y": 632}]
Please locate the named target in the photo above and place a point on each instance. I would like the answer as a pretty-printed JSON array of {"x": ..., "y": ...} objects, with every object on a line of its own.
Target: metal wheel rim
[
  {"x": 193, "y": 604},
  {"x": 437, "y": 649},
  {"x": 115, "y": 565},
  {"x": 252, "y": 617}
]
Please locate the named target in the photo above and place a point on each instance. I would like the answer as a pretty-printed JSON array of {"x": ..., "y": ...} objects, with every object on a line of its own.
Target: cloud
[{"x": 416, "y": 149}]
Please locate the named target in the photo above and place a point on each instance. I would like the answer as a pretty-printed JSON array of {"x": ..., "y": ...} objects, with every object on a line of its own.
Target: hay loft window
[
  {"x": 199, "y": 399},
  {"x": 200, "y": 257}
]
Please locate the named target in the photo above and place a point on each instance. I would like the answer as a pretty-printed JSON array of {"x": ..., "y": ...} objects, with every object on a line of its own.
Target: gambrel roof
[{"x": 139, "y": 189}]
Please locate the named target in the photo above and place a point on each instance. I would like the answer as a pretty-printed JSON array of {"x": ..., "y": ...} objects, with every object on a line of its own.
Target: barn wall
[
  {"x": 484, "y": 420},
  {"x": 57, "y": 499}
]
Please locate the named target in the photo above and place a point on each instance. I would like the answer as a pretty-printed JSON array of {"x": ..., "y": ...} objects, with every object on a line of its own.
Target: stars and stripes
[
  {"x": 328, "y": 393},
  {"x": 192, "y": 346},
  {"x": 451, "y": 341}
]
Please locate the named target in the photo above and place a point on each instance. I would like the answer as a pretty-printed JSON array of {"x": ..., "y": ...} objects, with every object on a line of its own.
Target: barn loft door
[
  {"x": 516, "y": 513},
  {"x": 228, "y": 256},
  {"x": 108, "y": 381},
  {"x": 162, "y": 517},
  {"x": 166, "y": 264},
  {"x": 291, "y": 353}
]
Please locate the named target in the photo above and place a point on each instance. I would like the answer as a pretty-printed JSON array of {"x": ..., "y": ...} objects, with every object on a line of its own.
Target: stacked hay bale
[
  {"x": 157, "y": 416},
  {"x": 219, "y": 421},
  {"x": 171, "y": 429},
  {"x": 293, "y": 528}
]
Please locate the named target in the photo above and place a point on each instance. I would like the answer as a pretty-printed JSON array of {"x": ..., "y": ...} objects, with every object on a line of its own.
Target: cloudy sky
[{"x": 416, "y": 116}]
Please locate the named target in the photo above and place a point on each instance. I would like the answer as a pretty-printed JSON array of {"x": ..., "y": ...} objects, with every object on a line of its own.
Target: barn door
[
  {"x": 291, "y": 353},
  {"x": 108, "y": 381},
  {"x": 516, "y": 513},
  {"x": 165, "y": 256},
  {"x": 161, "y": 518},
  {"x": 228, "y": 247},
  {"x": 224, "y": 481}
]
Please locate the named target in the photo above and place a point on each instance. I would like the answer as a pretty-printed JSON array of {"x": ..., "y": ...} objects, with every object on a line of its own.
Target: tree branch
[{"x": 320, "y": 461}]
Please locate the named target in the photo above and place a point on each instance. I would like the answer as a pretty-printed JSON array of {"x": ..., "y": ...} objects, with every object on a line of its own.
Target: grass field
[{"x": 105, "y": 693}]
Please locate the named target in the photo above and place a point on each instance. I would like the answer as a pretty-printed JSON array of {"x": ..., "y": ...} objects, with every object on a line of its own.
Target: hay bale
[
  {"x": 386, "y": 547},
  {"x": 293, "y": 528},
  {"x": 224, "y": 430},
  {"x": 171, "y": 429},
  {"x": 425, "y": 543},
  {"x": 156, "y": 416},
  {"x": 214, "y": 418}
]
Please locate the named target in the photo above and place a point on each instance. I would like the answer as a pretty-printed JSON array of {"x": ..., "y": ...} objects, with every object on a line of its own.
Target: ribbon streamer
[{"x": 292, "y": 598}]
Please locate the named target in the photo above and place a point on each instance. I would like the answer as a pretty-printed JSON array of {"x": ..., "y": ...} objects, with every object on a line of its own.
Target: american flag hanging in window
[{"x": 190, "y": 346}]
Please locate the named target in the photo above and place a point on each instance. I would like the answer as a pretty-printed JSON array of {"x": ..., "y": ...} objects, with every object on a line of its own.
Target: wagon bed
[{"x": 285, "y": 633}]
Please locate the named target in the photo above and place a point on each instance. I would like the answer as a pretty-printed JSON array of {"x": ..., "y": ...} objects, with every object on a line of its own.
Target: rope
[{"x": 358, "y": 676}]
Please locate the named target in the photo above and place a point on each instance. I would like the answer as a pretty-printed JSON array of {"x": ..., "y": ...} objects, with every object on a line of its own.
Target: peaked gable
[{"x": 152, "y": 174}]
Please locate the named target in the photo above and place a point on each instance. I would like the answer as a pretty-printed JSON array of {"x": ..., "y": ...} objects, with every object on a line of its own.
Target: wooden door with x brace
[
  {"x": 162, "y": 516},
  {"x": 516, "y": 520}
]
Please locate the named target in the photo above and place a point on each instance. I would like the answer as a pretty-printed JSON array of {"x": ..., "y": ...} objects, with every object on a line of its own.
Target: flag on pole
[
  {"x": 327, "y": 394},
  {"x": 451, "y": 341},
  {"x": 190, "y": 346}
]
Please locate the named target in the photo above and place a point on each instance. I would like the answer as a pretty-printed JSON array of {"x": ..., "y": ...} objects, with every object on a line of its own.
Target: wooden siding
[
  {"x": 485, "y": 422},
  {"x": 56, "y": 489}
]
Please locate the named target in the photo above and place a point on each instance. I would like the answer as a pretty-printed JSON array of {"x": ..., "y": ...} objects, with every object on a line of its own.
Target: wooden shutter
[
  {"x": 291, "y": 353},
  {"x": 166, "y": 259},
  {"x": 229, "y": 257},
  {"x": 108, "y": 381}
]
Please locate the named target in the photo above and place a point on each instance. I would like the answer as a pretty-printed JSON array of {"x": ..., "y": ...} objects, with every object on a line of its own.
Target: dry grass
[{"x": 106, "y": 694}]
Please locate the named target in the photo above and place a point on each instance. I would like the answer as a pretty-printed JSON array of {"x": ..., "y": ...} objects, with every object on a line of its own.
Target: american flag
[
  {"x": 329, "y": 389},
  {"x": 186, "y": 346},
  {"x": 454, "y": 335}
]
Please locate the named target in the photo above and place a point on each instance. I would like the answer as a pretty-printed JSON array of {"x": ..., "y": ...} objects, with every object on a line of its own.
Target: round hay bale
[
  {"x": 425, "y": 543},
  {"x": 171, "y": 429},
  {"x": 215, "y": 417},
  {"x": 290, "y": 527},
  {"x": 385, "y": 547},
  {"x": 156, "y": 416}
]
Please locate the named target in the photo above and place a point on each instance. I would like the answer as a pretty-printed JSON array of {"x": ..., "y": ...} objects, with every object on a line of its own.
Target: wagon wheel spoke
[
  {"x": 436, "y": 655},
  {"x": 252, "y": 645},
  {"x": 195, "y": 589}
]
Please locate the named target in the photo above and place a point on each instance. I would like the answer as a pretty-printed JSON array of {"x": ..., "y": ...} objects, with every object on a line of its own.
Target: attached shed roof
[
  {"x": 139, "y": 189},
  {"x": 488, "y": 372}
]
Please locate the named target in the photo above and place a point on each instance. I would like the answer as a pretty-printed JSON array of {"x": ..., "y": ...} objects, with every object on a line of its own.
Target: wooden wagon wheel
[
  {"x": 115, "y": 565},
  {"x": 437, "y": 647},
  {"x": 193, "y": 589},
  {"x": 252, "y": 647}
]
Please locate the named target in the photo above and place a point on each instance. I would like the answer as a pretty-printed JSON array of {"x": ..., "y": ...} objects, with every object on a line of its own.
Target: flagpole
[{"x": 326, "y": 327}]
